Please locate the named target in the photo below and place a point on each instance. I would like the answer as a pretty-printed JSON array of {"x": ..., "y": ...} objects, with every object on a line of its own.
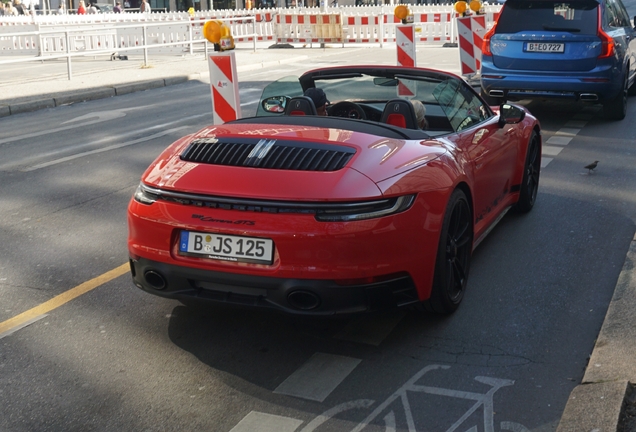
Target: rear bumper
[
  {"x": 296, "y": 296},
  {"x": 599, "y": 84}
]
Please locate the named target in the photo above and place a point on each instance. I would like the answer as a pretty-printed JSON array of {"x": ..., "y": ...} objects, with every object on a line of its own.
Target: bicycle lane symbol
[{"x": 482, "y": 400}]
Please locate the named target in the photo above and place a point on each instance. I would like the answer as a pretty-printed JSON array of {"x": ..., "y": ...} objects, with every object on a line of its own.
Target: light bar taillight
[
  {"x": 607, "y": 43},
  {"x": 485, "y": 44}
]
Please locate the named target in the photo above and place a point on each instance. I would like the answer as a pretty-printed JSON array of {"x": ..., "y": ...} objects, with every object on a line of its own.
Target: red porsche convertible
[{"x": 357, "y": 211}]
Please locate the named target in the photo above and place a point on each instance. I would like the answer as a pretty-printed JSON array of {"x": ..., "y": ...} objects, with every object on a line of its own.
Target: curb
[
  {"x": 598, "y": 404},
  {"x": 594, "y": 407},
  {"x": 19, "y": 107}
]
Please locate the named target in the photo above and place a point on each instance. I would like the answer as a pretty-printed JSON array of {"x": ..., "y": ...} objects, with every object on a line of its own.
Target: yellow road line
[{"x": 63, "y": 298}]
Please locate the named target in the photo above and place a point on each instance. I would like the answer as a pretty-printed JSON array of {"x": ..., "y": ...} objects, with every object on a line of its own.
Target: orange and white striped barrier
[
  {"x": 226, "y": 104},
  {"x": 317, "y": 28},
  {"x": 405, "y": 42},
  {"x": 362, "y": 24},
  {"x": 432, "y": 27},
  {"x": 362, "y": 29},
  {"x": 470, "y": 31}
]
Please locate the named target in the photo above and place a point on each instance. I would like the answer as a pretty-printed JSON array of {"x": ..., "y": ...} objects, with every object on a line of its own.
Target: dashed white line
[
  {"x": 551, "y": 150},
  {"x": 21, "y": 326},
  {"x": 318, "y": 377},
  {"x": 262, "y": 422},
  {"x": 545, "y": 161},
  {"x": 101, "y": 150},
  {"x": 567, "y": 131},
  {"x": 559, "y": 140},
  {"x": 555, "y": 144}
]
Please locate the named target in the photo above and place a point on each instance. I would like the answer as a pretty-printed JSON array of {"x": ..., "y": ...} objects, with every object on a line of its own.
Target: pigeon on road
[{"x": 591, "y": 167}]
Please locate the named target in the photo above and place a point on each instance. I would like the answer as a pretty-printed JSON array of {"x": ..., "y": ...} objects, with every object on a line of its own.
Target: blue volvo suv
[{"x": 578, "y": 49}]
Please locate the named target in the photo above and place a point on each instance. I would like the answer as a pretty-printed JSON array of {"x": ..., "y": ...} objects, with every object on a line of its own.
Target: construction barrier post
[
  {"x": 405, "y": 41},
  {"x": 470, "y": 31},
  {"x": 226, "y": 104}
]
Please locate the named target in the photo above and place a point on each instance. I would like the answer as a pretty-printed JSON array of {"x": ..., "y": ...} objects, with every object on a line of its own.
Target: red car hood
[{"x": 375, "y": 159}]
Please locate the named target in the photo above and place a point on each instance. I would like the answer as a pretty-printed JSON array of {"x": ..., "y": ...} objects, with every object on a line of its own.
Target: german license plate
[
  {"x": 545, "y": 47},
  {"x": 227, "y": 247}
]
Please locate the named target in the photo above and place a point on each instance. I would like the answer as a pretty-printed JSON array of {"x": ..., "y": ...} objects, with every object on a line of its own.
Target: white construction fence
[{"x": 174, "y": 32}]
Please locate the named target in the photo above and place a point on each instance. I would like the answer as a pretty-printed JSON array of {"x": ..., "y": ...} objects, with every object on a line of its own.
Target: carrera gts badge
[{"x": 225, "y": 221}]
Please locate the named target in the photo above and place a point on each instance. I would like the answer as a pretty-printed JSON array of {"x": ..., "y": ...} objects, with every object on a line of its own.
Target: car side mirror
[
  {"x": 510, "y": 114},
  {"x": 275, "y": 104}
]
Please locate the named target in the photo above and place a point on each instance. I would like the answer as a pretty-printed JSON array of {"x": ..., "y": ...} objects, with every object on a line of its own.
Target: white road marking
[
  {"x": 370, "y": 330},
  {"x": 98, "y": 116},
  {"x": 47, "y": 132},
  {"x": 389, "y": 422},
  {"x": 21, "y": 326},
  {"x": 101, "y": 150},
  {"x": 116, "y": 138},
  {"x": 567, "y": 131},
  {"x": 563, "y": 136},
  {"x": 260, "y": 422},
  {"x": 545, "y": 161},
  {"x": 559, "y": 140},
  {"x": 551, "y": 150},
  {"x": 332, "y": 412},
  {"x": 318, "y": 377},
  {"x": 513, "y": 427}
]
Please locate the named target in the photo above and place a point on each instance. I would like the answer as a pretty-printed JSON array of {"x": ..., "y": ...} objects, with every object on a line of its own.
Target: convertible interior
[{"x": 379, "y": 95}]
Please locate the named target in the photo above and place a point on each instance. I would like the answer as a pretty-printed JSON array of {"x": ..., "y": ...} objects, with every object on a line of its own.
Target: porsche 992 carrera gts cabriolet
[{"x": 356, "y": 211}]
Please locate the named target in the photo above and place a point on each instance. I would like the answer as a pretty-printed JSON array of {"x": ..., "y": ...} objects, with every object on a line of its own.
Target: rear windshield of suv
[{"x": 576, "y": 17}]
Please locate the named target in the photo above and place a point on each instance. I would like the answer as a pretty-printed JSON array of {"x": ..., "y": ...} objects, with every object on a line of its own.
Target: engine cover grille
[{"x": 268, "y": 153}]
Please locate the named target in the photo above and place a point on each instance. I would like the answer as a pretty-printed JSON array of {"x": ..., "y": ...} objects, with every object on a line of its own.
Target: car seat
[
  {"x": 300, "y": 105},
  {"x": 399, "y": 112}
]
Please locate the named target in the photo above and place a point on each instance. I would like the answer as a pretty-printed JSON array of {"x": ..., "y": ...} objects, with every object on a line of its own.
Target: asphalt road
[{"x": 116, "y": 358}]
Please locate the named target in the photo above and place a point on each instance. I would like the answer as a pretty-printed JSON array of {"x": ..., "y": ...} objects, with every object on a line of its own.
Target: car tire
[
  {"x": 491, "y": 101},
  {"x": 531, "y": 172},
  {"x": 453, "y": 256},
  {"x": 616, "y": 109},
  {"x": 631, "y": 91}
]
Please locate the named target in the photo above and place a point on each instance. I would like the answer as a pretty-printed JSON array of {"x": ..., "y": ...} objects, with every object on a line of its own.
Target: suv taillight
[
  {"x": 485, "y": 44},
  {"x": 607, "y": 43}
]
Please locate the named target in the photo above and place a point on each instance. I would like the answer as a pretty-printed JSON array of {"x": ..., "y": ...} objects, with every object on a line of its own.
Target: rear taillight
[
  {"x": 485, "y": 44},
  {"x": 607, "y": 43}
]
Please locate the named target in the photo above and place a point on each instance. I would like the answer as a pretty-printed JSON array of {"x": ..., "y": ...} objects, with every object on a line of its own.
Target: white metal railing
[
  {"x": 107, "y": 40},
  {"x": 68, "y": 36}
]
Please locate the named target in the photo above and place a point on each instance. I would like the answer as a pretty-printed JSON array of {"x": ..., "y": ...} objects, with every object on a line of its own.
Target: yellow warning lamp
[
  {"x": 219, "y": 34},
  {"x": 191, "y": 11},
  {"x": 475, "y": 6},
  {"x": 461, "y": 7},
  {"x": 212, "y": 31},
  {"x": 227, "y": 41},
  {"x": 403, "y": 13}
]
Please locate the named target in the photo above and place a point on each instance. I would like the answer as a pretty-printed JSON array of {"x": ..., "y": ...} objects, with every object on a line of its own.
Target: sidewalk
[
  {"x": 32, "y": 86},
  {"x": 604, "y": 398}
]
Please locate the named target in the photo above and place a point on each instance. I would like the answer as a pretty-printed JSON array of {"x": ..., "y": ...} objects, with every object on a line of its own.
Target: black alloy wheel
[
  {"x": 453, "y": 256},
  {"x": 531, "y": 172}
]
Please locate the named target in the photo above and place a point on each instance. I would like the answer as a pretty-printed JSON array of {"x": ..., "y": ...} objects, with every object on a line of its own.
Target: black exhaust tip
[
  {"x": 155, "y": 279},
  {"x": 303, "y": 300}
]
